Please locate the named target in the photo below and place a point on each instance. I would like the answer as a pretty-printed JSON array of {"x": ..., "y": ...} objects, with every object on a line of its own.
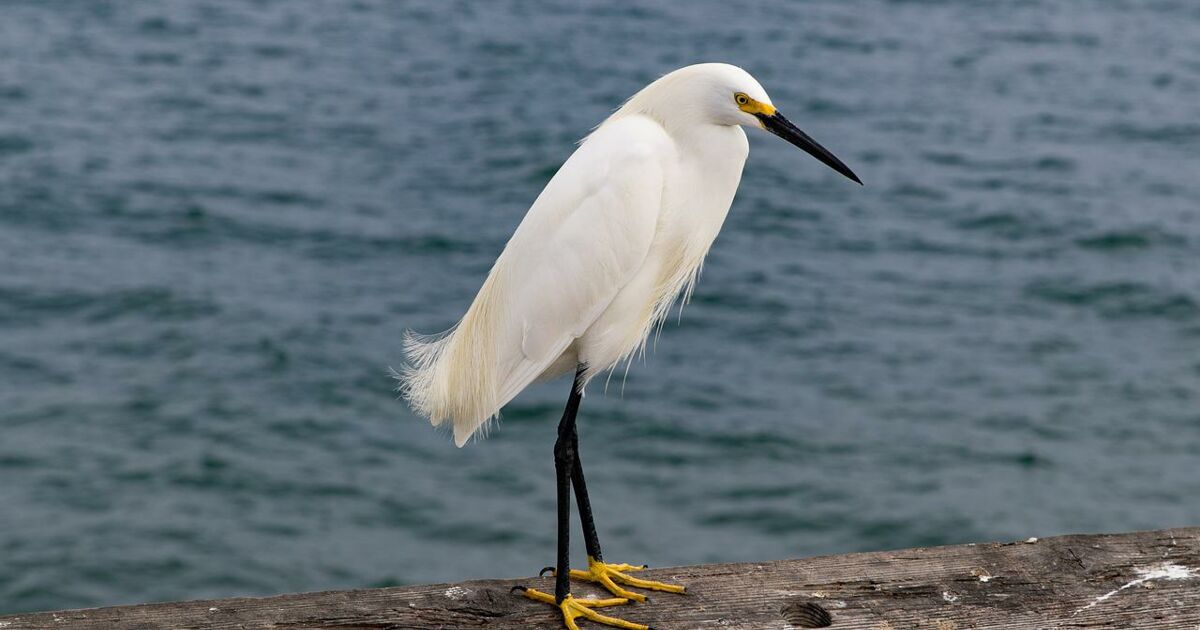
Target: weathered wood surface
[{"x": 1143, "y": 580}]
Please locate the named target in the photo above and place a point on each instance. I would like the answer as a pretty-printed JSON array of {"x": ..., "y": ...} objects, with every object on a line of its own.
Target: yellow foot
[
  {"x": 573, "y": 609},
  {"x": 608, "y": 575}
]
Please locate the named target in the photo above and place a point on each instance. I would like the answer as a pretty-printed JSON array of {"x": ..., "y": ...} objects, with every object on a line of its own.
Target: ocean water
[{"x": 217, "y": 219}]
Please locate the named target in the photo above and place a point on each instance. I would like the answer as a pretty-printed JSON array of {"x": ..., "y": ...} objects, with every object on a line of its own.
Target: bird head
[{"x": 723, "y": 94}]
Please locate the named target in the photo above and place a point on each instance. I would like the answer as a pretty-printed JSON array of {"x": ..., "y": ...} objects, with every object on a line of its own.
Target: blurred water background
[{"x": 217, "y": 218}]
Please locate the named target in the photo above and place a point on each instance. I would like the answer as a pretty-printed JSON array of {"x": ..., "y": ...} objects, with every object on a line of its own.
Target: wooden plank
[{"x": 1146, "y": 580}]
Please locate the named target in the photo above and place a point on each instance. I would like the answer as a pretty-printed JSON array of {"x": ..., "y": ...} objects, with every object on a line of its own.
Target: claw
[
  {"x": 573, "y": 609},
  {"x": 609, "y": 575},
  {"x": 550, "y": 570}
]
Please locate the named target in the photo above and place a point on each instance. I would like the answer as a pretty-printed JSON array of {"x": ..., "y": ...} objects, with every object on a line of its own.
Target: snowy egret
[{"x": 618, "y": 234}]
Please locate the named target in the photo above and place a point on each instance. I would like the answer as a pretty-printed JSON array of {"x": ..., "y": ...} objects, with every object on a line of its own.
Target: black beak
[{"x": 782, "y": 127}]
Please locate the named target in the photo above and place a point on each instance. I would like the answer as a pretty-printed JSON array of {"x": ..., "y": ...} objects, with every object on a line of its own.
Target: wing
[{"x": 579, "y": 244}]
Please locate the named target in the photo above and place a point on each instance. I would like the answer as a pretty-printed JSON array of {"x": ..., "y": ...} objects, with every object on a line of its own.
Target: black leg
[
  {"x": 590, "y": 539},
  {"x": 565, "y": 461}
]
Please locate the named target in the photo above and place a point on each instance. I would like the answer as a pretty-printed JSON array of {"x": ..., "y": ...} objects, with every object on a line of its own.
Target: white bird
[{"x": 618, "y": 235}]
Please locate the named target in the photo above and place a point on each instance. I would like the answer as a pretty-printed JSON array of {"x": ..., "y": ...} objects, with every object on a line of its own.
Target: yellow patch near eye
[{"x": 751, "y": 106}]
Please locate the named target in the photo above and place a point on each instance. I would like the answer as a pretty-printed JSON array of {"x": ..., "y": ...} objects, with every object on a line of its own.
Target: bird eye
[{"x": 741, "y": 99}]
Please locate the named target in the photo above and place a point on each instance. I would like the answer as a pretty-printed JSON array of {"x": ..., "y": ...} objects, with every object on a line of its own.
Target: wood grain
[{"x": 1145, "y": 580}]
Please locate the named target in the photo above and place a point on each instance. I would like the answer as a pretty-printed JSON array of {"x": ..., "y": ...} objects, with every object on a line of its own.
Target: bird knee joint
[{"x": 563, "y": 452}]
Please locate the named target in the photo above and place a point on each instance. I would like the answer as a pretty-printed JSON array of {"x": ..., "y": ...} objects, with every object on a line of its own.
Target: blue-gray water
[{"x": 216, "y": 220}]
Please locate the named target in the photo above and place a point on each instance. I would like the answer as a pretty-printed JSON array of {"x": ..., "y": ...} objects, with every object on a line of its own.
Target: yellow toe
[
  {"x": 611, "y": 575},
  {"x": 573, "y": 609}
]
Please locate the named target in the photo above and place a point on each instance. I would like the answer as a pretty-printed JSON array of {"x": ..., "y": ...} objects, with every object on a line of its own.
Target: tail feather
[
  {"x": 418, "y": 379},
  {"x": 439, "y": 385},
  {"x": 453, "y": 376}
]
